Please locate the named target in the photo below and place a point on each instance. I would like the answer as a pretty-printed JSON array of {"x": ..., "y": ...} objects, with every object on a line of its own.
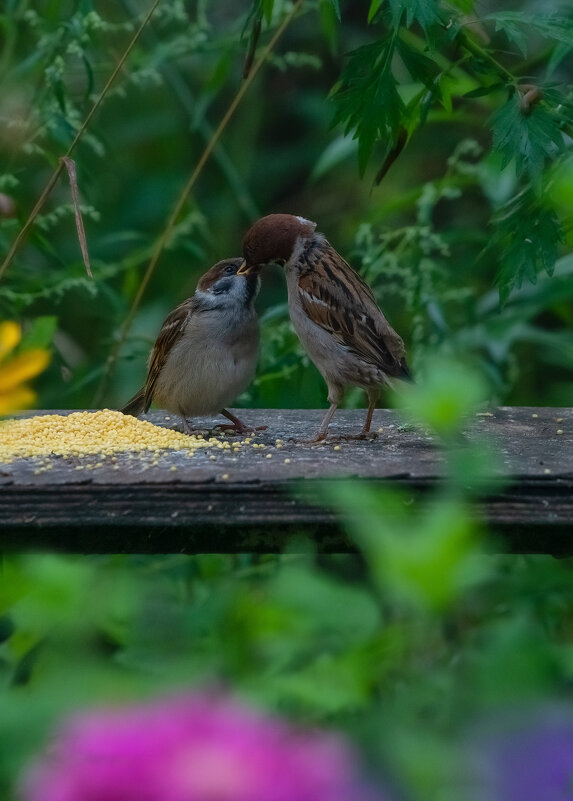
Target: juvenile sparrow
[
  {"x": 332, "y": 309},
  {"x": 207, "y": 349}
]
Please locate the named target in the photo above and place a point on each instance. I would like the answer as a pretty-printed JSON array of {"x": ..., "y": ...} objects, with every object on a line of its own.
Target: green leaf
[
  {"x": 444, "y": 395},
  {"x": 560, "y": 51},
  {"x": 332, "y": 156},
  {"x": 420, "y": 67},
  {"x": 560, "y": 29},
  {"x": 367, "y": 99},
  {"x": 260, "y": 9},
  {"x": 527, "y": 234},
  {"x": 515, "y": 34},
  {"x": 527, "y": 137},
  {"x": 40, "y": 333},
  {"x": 329, "y": 14},
  {"x": 421, "y": 557},
  {"x": 482, "y": 91},
  {"x": 267, "y": 8},
  {"x": 423, "y": 12},
  {"x": 374, "y": 8},
  {"x": 467, "y": 6},
  {"x": 335, "y": 7}
]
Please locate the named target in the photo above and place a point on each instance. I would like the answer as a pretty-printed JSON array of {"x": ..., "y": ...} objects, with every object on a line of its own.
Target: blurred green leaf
[
  {"x": 528, "y": 233},
  {"x": 560, "y": 29},
  {"x": 425, "y": 558},
  {"x": 40, "y": 333},
  {"x": 336, "y": 152},
  {"x": 445, "y": 394}
]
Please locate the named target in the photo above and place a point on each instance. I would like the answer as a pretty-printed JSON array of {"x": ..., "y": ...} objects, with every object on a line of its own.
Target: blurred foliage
[
  {"x": 436, "y": 156},
  {"x": 421, "y": 647},
  {"x": 20, "y": 362},
  {"x": 441, "y": 237}
]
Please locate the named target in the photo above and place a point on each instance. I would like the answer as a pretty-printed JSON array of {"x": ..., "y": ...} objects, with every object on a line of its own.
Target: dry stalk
[{"x": 62, "y": 161}]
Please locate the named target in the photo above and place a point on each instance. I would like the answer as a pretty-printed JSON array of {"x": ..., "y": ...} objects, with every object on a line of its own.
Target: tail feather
[
  {"x": 405, "y": 374},
  {"x": 136, "y": 405}
]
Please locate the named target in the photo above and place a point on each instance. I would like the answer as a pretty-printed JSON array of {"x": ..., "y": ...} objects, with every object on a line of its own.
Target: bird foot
[
  {"x": 238, "y": 428},
  {"x": 187, "y": 428},
  {"x": 364, "y": 435},
  {"x": 311, "y": 441}
]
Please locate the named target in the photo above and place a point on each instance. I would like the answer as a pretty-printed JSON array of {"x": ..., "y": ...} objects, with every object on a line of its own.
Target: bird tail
[
  {"x": 405, "y": 372},
  {"x": 136, "y": 405}
]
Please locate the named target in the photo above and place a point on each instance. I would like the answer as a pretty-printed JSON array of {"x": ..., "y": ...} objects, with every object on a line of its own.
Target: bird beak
[{"x": 243, "y": 269}]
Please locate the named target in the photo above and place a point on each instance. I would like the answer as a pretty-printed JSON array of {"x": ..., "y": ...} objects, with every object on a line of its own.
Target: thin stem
[
  {"x": 479, "y": 51},
  {"x": 56, "y": 174},
  {"x": 165, "y": 234}
]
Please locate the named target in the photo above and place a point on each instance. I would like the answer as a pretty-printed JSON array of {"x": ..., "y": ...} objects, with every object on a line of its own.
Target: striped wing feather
[
  {"x": 171, "y": 331},
  {"x": 337, "y": 299}
]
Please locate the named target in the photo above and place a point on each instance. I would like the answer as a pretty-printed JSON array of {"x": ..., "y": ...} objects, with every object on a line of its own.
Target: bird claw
[
  {"x": 311, "y": 441},
  {"x": 238, "y": 429},
  {"x": 364, "y": 435}
]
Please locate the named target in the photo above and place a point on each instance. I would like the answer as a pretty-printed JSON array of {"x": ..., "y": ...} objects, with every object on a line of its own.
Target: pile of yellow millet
[{"x": 104, "y": 433}]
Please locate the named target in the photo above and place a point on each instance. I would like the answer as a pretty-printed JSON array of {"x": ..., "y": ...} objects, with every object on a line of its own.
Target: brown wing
[
  {"x": 337, "y": 299},
  {"x": 171, "y": 331}
]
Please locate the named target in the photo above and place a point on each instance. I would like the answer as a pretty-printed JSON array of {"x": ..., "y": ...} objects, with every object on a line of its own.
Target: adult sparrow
[
  {"x": 207, "y": 349},
  {"x": 332, "y": 309}
]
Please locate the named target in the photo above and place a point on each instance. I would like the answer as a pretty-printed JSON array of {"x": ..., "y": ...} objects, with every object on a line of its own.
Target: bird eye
[{"x": 230, "y": 269}]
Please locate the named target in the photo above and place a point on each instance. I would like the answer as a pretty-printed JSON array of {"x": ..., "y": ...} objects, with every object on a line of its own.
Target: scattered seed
[{"x": 104, "y": 433}]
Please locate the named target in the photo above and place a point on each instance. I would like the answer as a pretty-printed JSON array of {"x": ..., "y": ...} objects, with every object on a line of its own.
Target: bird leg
[
  {"x": 237, "y": 425},
  {"x": 322, "y": 431},
  {"x": 365, "y": 433},
  {"x": 187, "y": 429}
]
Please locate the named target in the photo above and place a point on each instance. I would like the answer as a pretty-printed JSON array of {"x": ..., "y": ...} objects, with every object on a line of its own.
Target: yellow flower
[{"x": 14, "y": 394}]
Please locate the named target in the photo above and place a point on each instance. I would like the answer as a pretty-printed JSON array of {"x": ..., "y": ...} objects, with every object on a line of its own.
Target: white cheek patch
[{"x": 205, "y": 297}]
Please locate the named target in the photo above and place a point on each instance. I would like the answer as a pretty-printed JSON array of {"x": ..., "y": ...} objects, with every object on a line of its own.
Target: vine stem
[
  {"x": 165, "y": 234},
  {"x": 62, "y": 161}
]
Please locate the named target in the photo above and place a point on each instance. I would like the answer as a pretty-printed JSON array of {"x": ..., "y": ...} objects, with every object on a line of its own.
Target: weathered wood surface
[{"x": 244, "y": 499}]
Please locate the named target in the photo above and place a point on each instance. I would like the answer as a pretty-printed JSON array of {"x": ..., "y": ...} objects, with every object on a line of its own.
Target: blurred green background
[
  {"x": 427, "y": 236},
  {"x": 422, "y": 646}
]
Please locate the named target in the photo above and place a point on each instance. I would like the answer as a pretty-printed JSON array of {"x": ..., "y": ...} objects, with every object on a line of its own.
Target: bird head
[
  {"x": 274, "y": 238},
  {"x": 224, "y": 283}
]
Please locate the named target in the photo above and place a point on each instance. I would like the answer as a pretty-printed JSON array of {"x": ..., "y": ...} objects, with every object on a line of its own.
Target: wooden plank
[{"x": 245, "y": 499}]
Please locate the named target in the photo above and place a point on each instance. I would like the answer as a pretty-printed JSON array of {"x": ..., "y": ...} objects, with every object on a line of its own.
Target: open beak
[{"x": 243, "y": 269}]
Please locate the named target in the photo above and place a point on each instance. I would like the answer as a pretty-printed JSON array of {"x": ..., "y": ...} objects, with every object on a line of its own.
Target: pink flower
[{"x": 191, "y": 748}]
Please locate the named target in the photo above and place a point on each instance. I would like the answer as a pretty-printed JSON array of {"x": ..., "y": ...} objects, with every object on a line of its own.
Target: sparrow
[
  {"x": 206, "y": 351},
  {"x": 333, "y": 311}
]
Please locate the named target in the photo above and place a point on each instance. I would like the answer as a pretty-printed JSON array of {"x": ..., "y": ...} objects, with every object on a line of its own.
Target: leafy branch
[
  {"x": 375, "y": 106},
  {"x": 82, "y": 129}
]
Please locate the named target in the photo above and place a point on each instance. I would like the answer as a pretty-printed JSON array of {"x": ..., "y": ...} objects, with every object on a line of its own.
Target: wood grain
[{"x": 246, "y": 501}]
